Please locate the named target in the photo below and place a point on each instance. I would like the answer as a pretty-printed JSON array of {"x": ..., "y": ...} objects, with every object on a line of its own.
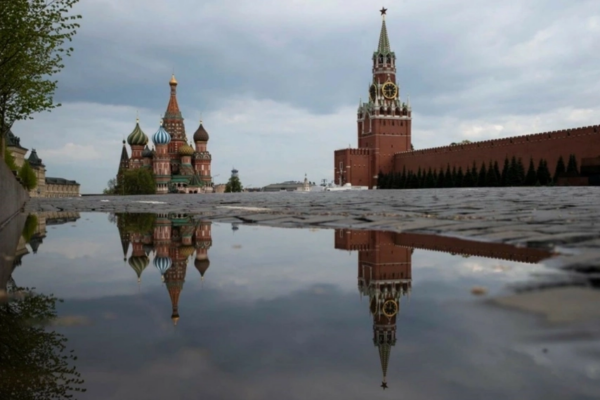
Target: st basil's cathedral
[{"x": 177, "y": 167}]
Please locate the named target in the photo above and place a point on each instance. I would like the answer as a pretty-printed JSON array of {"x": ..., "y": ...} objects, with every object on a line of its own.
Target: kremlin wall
[
  {"x": 384, "y": 129},
  {"x": 583, "y": 142}
]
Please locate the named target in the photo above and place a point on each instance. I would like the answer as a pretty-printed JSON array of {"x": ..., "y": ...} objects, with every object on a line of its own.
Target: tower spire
[
  {"x": 384, "y": 357},
  {"x": 384, "y": 41},
  {"x": 173, "y": 106}
]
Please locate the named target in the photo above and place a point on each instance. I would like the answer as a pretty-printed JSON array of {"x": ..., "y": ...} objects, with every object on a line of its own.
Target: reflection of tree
[
  {"x": 34, "y": 361},
  {"x": 136, "y": 223},
  {"x": 30, "y": 226}
]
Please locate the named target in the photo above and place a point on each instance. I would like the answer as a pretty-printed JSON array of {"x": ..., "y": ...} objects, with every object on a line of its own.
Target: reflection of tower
[
  {"x": 384, "y": 275},
  {"x": 182, "y": 228},
  {"x": 203, "y": 242},
  {"x": 138, "y": 260},
  {"x": 162, "y": 238},
  {"x": 125, "y": 240}
]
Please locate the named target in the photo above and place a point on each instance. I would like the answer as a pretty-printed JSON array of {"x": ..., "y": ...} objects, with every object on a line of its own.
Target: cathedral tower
[
  {"x": 161, "y": 163},
  {"x": 202, "y": 157},
  {"x": 173, "y": 123},
  {"x": 137, "y": 139}
]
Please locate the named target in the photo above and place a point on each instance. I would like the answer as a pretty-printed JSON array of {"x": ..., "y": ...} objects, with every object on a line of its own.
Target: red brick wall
[
  {"x": 583, "y": 142},
  {"x": 360, "y": 167},
  {"x": 468, "y": 247}
]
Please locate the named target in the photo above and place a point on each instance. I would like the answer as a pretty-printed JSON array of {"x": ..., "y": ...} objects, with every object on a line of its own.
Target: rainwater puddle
[{"x": 169, "y": 306}]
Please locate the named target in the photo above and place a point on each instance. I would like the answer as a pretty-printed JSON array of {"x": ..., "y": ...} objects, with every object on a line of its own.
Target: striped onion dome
[
  {"x": 162, "y": 264},
  {"x": 137, "y": 137},
  {"x": 138, "y": 263},
  {"x": 186, "y": 251},
  {"x": 147, "y": 152},
  {"x": 186, "y": 150},
  {"x": 161, "y": 136}
]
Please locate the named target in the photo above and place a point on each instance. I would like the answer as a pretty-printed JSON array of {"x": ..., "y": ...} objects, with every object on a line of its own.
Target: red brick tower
[
  {"x": 173, "y": 123},
  {"x": 202, "y": 157},
  {"x": 161, "y": 161},
  {"x": 384, "y": 275},
  {"x": 383, "y": 123}
]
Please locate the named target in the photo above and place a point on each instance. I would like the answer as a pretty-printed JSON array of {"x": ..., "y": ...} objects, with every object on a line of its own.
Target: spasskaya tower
[{"x": 383, "y": 122}]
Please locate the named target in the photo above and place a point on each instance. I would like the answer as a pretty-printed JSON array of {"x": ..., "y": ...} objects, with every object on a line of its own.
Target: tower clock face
[
  {"x": 389, "y": 90},
  {"x": 373, "y": 91},
  {"x": 390, "y": 308}
]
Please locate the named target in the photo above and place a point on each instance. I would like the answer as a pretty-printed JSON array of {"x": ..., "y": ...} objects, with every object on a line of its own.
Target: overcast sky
[{"x": 277, "y": 83}]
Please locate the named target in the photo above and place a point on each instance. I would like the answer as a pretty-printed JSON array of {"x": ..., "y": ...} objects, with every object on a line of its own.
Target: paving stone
[{"x": 547, "y": 216}]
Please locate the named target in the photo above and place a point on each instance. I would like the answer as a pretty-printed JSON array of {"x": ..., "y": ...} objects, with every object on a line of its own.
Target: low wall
[
  {"x": 12, "y": 195},
  {"x": 583, "y": 142}
]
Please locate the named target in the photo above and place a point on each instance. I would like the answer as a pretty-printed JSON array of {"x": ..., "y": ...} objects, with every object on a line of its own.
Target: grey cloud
[{"x": 459, "y": 57}]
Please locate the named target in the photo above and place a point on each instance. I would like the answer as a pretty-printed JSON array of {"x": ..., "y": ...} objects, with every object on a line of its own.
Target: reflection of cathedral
[
  {"x": 384, "y": 275},
  {"x": 173, "y": 238}
]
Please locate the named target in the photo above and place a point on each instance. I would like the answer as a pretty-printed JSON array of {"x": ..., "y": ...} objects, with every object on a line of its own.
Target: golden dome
[
  {"x": 186, "y": 150},
  {"x": 186, "y": 251},
  {"x": 173, "y": 81}
]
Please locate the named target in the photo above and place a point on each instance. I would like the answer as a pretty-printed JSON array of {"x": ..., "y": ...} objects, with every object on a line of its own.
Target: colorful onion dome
[
  {"x": 147, "y": 152},
  {"x": 137, "y": 137},
  {"x": 186, "y": 150},
  {"x": 162, "y": 264},
  {"x": 186, "y": 251},
  {"x": 202, "y": 266},
  {"x": 138, "y": 263},
  {"x": 161, "y": 136},
  {"x": 201, "y": 135}
]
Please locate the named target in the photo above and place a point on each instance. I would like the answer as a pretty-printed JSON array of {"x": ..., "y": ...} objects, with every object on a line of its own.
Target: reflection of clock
[
  {"x": 389, "y": 90},
  {"x": 390, "y": 308},
  {"x": 373, "y": 92}
]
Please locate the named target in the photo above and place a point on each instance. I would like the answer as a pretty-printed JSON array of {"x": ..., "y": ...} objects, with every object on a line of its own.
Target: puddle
[{"x": 170, "y": 306}]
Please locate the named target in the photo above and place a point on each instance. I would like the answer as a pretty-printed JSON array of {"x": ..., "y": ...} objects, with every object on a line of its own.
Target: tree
[
  {"x": 448, "y": 178},
  {"x": 28, "y": 177},
  {"x": 234, "y": 185},
  {"x": 111, "y": 186},
  {"x": 520, "y": 172},
  {"x": 482, "y": 176},
  {"x": 572, "y": 169},
  {"x": 543, "y": 174},
  {"x": 33, "y": 34},
  {"x": 34, "y": 360},
  {"x": 10, "y": 160},
  {"x": 505, "y": 170},
  {"x": 560, "y": 169},
  {"x": 492, "y": 178},
  {"x": 531, "y": 177},
  {"x": 31, "y": 224},
  {"x": 137, "y": 181}
]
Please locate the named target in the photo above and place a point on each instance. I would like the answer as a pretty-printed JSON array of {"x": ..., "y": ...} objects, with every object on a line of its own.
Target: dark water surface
[{"x": 168, "y": 307}]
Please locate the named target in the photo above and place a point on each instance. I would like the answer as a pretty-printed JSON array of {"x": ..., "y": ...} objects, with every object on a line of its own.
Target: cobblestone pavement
[{"x": 566, "y": 219}]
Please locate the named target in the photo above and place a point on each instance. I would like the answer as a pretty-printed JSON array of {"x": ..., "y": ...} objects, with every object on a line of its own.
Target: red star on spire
[{"x": 383, "y": 10}]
